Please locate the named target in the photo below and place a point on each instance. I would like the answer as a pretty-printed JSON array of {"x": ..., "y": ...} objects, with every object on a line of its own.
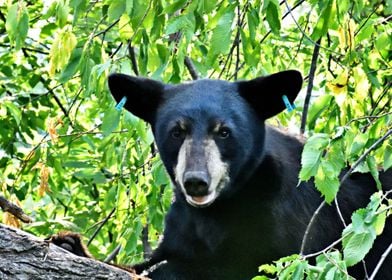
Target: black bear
[{"x": 237, "y": 204}]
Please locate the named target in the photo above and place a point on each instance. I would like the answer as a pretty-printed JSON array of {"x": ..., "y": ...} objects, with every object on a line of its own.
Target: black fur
[{"x": 261, "y": 215}]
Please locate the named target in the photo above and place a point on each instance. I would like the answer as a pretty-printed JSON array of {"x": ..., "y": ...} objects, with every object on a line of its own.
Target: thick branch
[
  {"x": 24, "y": 256},
  {"x": 14, "y": 210}
]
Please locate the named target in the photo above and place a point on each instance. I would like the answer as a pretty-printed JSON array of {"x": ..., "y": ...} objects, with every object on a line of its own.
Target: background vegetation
[{"x": 72, "y": 161}]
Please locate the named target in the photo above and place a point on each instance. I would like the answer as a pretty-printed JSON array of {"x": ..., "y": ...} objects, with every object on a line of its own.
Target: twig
[
  {"x": 266, "y": 36},
  {"x": 116, "y": 50},
  {"x": 235, "y": 43},
  {"x": 58, "y": 102},
  {"x": 381, "y": 261},
  {"x": 300, "y": 42},
  {"x": 30, "y": 49},
  {"x": 361, "y": 158},
  {"x": 339, "y": 212},
  {"x": 345, "y": 177},
  {"x": 14, "y": 210},
  {"x": 333, "y": 244},
  {"x": 310, "y": 85},
  {"x": 103, "y": 32},
  {"x": 381, "y": 96},
  {"x": 113, "y": 254},
  {"x": 339, "y": 267},
  {"x": 304, "y": 33},
  {"x": 147, "y": 250},
  {"x": 132, "y": 56},
  {"x": 308, "y": 228},
  {"x": 366, "y": 20},
  {"x": 191, "y": 68},
  {"x": 368, "y": 117},
  {"x": 101, "y": 224}
]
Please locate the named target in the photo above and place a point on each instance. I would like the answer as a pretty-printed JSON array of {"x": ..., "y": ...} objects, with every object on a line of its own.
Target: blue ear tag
[
  {"x": 290, "y": 107},
  {"x": 121, "y": 104}
]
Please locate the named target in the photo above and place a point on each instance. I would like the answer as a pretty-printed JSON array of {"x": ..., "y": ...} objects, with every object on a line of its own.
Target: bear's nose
[{"x": 196, "y": 183}]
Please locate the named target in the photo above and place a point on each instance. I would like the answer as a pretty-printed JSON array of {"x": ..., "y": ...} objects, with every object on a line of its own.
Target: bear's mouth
[{"x": 201, "y": 201}]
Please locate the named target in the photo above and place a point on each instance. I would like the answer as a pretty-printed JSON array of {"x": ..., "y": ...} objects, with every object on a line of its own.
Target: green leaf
[
  {"x": 62, "y": 13},
  {"x": 356, "y": 246},
  {"x": 387, "y": 156},
  {"x": 318, "y": 107},
  {"x": 179, "y": 23},
  {"x": 128, "y": 7},
  {"x": 14, "y": 110},
  {"x": 175, "y": 6},
  {"x": 323, "y": 21},
  {"x": 362, "y": 222},
  {"x": 206, "y": 6},
  {"x": 116, "y": 9},
  {"x": 12, "y": 20},
  {"x": 260, "y": 278},
  {"x": 253, "y": 22},
  {"x": 272, "y": 15},
  {"x": 61, "y": 50},
  {"x": 299, "y": 272},
  {"x": 72, "y": 67},
  {"x": 371, "y": 162},
  {"x": 110, "y": 121},
  {"x": 79, "y": 8},
  {"x": 268, "y": 268},
  {"x": 358, "y": 143},
  {"x": 327, "y": 181},
  {"x": 77, "y": 164},
  {"x": 23, "y": 27},
  {"x": 379, "y": 223},
  {"x": 311, "y": 155},
  {"x": 125, "y": 28},
  {"x": 220, "y": 39},
  {"x": 17, "y": 24}
]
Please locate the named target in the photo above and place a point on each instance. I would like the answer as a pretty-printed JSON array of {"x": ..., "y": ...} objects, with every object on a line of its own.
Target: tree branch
[
  {"x": 381, "y": 261},
  {"x": 14, "y": 210},
  {"x": 191, "y": 68},
  {"x": 310, "y": 85},
  {"x": 24, "y": 256},
  {"x": 101, "y": 224}
]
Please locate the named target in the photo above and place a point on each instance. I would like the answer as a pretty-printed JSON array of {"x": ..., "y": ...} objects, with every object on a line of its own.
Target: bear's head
[{"x": 210, "y": 133}]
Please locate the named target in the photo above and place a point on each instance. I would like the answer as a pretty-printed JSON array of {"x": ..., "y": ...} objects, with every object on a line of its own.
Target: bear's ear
[
  {"x": 265, "y": 94},
  {"x": 142, "y": 95}
]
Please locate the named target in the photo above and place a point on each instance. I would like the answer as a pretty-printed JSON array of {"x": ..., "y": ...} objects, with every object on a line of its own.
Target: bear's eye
[
  {"x": 224, "y": 132},
  {"x": 177, "y": 133}
]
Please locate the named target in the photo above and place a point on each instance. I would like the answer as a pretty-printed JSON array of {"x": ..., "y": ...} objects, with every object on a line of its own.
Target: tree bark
[{"x": 24, "y": 256}]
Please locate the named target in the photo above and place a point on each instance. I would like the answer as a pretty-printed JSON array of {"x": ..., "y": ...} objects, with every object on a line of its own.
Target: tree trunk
[{"x": 24, "y": 256}]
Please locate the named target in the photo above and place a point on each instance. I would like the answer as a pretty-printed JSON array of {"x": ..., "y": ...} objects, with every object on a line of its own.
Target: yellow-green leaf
[
  {"x": 17, "y": 24},
  {"x": 62, "y": 47}
]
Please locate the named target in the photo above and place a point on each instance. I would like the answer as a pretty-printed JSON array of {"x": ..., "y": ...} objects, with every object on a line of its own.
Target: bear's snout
[{"x": 196, "y": 183}]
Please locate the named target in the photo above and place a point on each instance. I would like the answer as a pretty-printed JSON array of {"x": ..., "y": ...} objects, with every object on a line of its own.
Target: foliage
[
  {"x": 357, "y": 240},
  {"x": 75, "y": 162}
]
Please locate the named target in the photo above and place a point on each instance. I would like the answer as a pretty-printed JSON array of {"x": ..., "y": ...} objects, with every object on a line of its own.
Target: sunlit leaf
[
  {"x": 221, "y": 34},
  {"x": 356, "y": 246},
  {"x": 116, "y": 9},
  {"x": 323, "y": 21},
  {"x": 17, "y": 24},
  {"x": 272, "y": 14},
  {"x": 311, "y": 155},
  {"x": 110, "y": 121},
  {"x": 61, "y": 50}
]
